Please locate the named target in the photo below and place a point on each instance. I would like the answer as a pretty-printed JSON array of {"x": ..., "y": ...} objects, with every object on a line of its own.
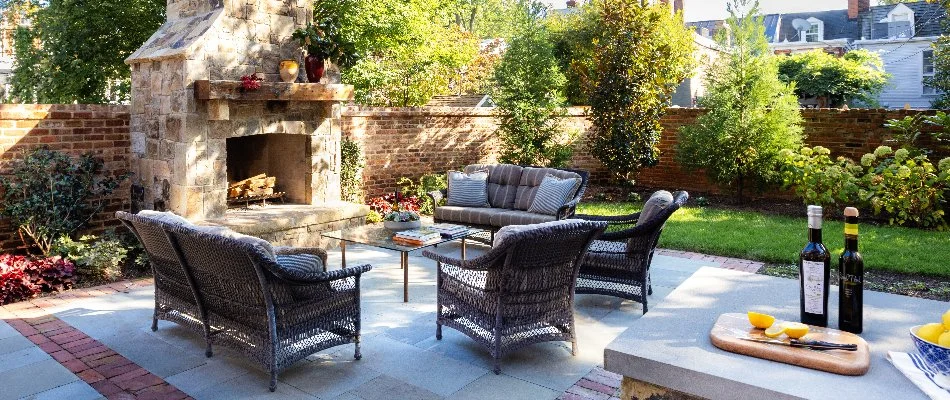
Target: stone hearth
[{"x": 188, "y": 139}]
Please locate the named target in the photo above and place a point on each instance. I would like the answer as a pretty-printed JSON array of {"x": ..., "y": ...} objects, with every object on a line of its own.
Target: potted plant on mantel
[{"x": 322, "y": 41}]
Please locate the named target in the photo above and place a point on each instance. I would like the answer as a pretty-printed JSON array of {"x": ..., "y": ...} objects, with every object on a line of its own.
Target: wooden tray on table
[{"x": 729, "y": 328}]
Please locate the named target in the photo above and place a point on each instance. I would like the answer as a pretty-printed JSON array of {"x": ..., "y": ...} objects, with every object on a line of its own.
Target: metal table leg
[
  {"x": 463, "y": 249},
  {"x": 404, "y": 263},
  {"x": 343, "y": 252}
]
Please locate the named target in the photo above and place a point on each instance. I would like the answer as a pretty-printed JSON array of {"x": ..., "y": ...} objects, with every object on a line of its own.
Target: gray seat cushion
[
  {"x": 657, "y": 202},
  {"x": 531, "y": 178},
  {"x": 518, "y": 217},
  {"x": 466, "y": 215},
  {"x": 503, "y": 180},
  {"x": 299, "y": 266}
]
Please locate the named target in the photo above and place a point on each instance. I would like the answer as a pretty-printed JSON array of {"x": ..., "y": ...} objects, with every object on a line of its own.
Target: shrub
[
  {"x": 374, "y": 217},
  {"x": 427, "y": 183},
  {"x": 387, "y": 203},
  {"x": 641, "y": 54},
  {"x": 49, "y": 194},
  {"x": 895, "y": 184},
  {"x": 817, "y": 179},
  {"x": 99, "y": 258},
  {"x": 751, "y": 114},
  {"x": 858, "y": 75},
  {"x": 22, "y": 277},
  {"x": 351, "y": 171},
  {"x": 530, "y": 99}
]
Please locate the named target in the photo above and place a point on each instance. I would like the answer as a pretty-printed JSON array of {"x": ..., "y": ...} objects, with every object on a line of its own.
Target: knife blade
[{"x": 806, "y": 344}]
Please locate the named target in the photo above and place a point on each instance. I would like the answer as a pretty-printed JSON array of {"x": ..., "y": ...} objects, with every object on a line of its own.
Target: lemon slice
[
  {"x": 775, "y": 331},
  {"x": 760, "y": 320},
  {"x": 796, "y": 330}
]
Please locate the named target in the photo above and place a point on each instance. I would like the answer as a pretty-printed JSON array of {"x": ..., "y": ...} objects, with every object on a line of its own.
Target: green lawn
[{"x": 778, "y": 239}]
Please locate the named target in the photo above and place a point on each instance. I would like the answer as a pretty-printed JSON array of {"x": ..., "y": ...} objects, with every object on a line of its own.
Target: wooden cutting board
[{"x": 730, "y": 327}]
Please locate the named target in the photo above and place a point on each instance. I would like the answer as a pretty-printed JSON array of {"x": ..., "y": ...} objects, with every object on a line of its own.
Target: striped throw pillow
[
  {"x": 468, "y": 190},
  {"x": 553, "y": 193},
  {"x": 300, "y": 265}
]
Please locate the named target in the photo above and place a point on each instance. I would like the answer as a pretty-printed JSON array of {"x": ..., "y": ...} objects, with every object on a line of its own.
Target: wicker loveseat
[
  {"x": 239, "y": 295},
  {"x": 520, "y": 292},
  {"x": 511, "y": 191}
]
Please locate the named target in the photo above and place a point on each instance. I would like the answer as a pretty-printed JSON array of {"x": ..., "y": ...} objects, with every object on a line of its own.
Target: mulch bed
[{"x": 923, "y": 286}]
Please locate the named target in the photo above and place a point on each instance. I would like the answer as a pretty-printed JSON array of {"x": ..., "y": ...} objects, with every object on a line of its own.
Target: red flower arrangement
[
  {"x": 250, "y": 82},
  {"x": 388, "y": 203}
]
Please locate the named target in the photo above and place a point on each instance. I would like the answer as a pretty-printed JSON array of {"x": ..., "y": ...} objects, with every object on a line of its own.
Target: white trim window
[
  {"x": 816, "y": 32},
  {"x": 927, "y": 71}
]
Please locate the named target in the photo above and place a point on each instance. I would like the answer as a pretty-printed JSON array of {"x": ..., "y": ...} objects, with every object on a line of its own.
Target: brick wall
[
  {"x": 410, "y": 142},
  {"x": 75, "y": 129}
]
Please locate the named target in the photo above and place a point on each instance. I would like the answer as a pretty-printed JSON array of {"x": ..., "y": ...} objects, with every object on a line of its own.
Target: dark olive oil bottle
[
  {"x": 814, "y": 269},
  {"x": 851, "y": 277}
]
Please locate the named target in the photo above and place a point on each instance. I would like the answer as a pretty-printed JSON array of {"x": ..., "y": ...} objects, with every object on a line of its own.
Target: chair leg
[
  {"x": 438, "y": 331},
  {"x": 208, "y": 352},
  {"x": 357, "y": 355},
  {"x": 273, "y": 381},
  {"x": 154, "y": 324},
  {"x": 497, "y": 368}
]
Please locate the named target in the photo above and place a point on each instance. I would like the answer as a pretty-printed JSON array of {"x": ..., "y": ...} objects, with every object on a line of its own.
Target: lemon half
[
  {"x": 761, "y": 321},
  {"x": 796, "y": 330}
]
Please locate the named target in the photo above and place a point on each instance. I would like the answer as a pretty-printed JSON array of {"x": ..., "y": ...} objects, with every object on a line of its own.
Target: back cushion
[
  {"x": 503, "y": 180},
  {"x": 530, "y": 180}
]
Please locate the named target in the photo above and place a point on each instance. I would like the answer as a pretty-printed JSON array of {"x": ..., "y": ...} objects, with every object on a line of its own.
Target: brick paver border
[{"x": 111, "y": 374}]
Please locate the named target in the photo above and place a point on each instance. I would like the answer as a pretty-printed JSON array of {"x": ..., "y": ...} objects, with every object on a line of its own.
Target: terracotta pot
[
  {"x": 314, "y": 66},
  {"x": 289, "y": 69}
]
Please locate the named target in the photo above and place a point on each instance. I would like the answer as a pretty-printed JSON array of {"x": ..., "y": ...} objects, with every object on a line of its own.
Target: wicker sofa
[
  {"x": 511, "y": 190},
  {"x": 276, "y": 308}
]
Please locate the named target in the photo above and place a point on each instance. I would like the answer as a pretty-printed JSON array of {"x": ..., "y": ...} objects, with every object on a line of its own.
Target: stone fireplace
[{"x": 194, "y": 129}]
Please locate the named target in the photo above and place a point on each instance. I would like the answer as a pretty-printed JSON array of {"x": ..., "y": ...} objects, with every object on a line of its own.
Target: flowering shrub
[
  {"x": 387, "y": 203},
  {"x": 23, "y": 277},
  {"x": 250, "y": 82},
  {"x": 903, "y": 187}
]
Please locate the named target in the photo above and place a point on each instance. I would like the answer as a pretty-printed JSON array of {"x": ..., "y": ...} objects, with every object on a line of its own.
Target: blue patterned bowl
[{"x": 937, "y": 357}]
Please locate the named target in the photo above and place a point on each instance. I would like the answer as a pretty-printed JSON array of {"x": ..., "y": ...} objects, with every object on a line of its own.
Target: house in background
[{"x": 902, "y": 34}]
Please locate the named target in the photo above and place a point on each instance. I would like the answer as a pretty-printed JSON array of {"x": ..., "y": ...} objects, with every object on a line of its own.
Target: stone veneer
[{"x": 179, "y": 143}]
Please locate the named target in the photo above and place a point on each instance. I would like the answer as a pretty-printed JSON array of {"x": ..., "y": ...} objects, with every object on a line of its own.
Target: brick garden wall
[
  {"x": 410, "y": 142},
  {"x": 75, "y": 129}
]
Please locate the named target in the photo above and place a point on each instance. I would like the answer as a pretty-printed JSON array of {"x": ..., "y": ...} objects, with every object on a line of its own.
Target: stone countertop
[{"x": 670, "y": 347}]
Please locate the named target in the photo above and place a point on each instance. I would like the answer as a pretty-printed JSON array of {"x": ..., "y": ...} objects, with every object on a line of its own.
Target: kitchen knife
[{"x": 806, "y": 344}]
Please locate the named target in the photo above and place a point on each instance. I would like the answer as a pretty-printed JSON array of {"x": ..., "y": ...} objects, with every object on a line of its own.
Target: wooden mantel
[
  {"x": 272, "y": 91},
  {"x": 219, "y": 93}
]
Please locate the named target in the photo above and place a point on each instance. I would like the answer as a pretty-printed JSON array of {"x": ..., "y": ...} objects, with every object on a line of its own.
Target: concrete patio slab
[
  {"x": 34, "y": 378},
  {"x": 77, "y": 390}
]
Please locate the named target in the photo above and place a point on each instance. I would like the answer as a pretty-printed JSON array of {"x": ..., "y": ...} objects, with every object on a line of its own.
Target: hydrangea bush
[{"x": 905, "y": 188}]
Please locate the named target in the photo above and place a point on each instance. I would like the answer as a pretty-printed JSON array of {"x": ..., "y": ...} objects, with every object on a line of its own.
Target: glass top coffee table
[{"x": 377, "y": 236}]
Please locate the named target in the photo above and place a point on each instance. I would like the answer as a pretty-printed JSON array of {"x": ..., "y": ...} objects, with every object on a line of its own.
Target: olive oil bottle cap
[{"x": 851, "y": 221}]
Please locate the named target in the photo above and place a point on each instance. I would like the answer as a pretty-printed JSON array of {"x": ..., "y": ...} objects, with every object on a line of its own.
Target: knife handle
[{"x": 823, "y": 344}]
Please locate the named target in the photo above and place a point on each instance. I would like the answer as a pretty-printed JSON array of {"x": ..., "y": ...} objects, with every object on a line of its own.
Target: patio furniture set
[{"x": 278, "y": 305}]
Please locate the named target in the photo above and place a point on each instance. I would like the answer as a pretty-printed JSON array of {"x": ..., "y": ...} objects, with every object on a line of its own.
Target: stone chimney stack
[
  {"x": 856, "y": 7},
  {"x": 571, "y": 3}
]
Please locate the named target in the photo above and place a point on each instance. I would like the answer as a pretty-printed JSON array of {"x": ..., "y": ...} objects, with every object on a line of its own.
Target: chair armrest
[
  {"x": 318, "y": 277},
  {"x": 611, "y": 219},
  {"x": 627, "y": 233},
  {"x": 479, "y": 264},
  {"x": 314, "y": 251},
  {"x": 437, "y": 196}
]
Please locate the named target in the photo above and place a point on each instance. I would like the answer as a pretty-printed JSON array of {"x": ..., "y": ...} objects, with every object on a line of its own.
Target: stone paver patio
[{"x": 96, "y": 343}]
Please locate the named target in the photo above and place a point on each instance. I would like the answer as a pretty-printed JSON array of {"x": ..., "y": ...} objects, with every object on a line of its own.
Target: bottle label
[
  {"x": 813, "y": 279},
  {"x": 851, "y": 229}
]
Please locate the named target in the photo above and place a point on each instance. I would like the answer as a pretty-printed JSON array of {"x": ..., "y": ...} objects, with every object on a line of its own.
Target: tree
[
  {"x": 751, "y": 114},
  {"x": 530, "y": 101},
  {"x": 574, "y": 36},
  {"x": 75, "y": 50},
  {"x": 857, "y": 76},
  {"x": 642, "y": 53}
]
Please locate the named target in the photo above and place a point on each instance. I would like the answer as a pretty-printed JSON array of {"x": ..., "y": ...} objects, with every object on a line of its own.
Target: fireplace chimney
[
  {"x": 571, "y": 3},
  {"x": 855, "y": 7}
]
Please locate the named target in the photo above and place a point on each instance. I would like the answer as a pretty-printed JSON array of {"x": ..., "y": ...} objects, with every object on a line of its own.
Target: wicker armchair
[
  {"x": 246, "y": 300},
  {"x": 618, "y": 264},
  {"x": 519, "y": 293}
]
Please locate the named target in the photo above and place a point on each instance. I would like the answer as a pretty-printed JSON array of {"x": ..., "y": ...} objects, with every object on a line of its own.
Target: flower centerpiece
[{"x": 398, "y": 212}]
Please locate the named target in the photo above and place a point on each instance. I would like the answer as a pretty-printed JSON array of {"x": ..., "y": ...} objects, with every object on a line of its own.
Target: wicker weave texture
[
  {"x": 517, "y": 294},
  {"x": 619, "y": 264},
  {"x": 247, "y": 302}
]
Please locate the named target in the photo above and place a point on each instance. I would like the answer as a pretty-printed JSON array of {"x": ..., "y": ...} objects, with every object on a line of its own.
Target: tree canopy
[
  {"x": 857, "y": 76},
  {"x": 751, "y": 114},
  {"x": 74, "y": 51},
  {"x": 642, "y": 52}
]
